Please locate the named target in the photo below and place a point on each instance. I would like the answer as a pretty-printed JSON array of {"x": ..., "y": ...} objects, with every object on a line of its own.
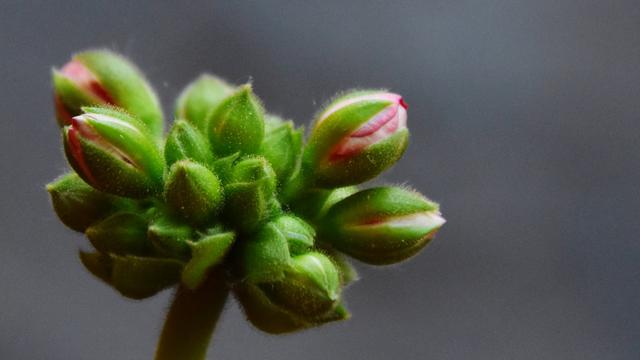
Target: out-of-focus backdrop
[{"x": 525, "y": 125}]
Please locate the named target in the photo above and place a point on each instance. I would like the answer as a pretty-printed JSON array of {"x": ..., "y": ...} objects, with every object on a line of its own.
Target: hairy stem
[{"x": 192, "y": 319}]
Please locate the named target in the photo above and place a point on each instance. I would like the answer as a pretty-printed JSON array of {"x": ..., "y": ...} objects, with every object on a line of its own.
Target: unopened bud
[
  {"x": 250, "y": 194},
  {"x": 309, "y": 289},
  {"x": 113, "y": 155},
  {"x": 133, "y": 276},
  {"x": 194, "y": 192},
  {"x": 201, "y": 97},
  {"x": 101, "y": 77},
  {"x": 79, "y": 205},
  {"x": 265, "y": 255},
  {"x": 123, "y": 233},
  {"x": 237, "y": 124},
  {"x": 356, "y": 138},
  {"x": 382, "y": 225},
  {"x": 185, "y": 142}
]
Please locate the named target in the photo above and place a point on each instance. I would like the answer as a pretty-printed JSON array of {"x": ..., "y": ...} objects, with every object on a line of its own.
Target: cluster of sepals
[{"x": 234, "y": 187}]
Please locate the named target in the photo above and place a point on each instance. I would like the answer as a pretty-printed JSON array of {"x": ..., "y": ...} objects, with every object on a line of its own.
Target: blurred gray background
[{"x": 525, "y": 126}]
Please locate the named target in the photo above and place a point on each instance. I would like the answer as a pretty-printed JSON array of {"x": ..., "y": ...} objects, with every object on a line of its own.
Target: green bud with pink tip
[
  {"x": 102, "y": 77},
  {"x": 381, "y": 225},
  {"x": 112, "y": 153},
  {"x": 358, "y": 136}
]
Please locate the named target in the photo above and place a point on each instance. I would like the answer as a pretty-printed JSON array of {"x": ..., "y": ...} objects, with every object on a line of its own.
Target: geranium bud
[
  {"x": 265, "y": 255},
  {"x": 381, "y": 225},
  {"x": 237, "y": 124},
  {"x": 282, "y": 147},
  {"x": 250, "y": 194},
  {"x": 310, "y": 288},
  {"x": 200, "y": 97},
  {"x": 185, "y": 142},
  {"x": 193, "y": 192},
  {"x": 99, "y": 77},
  {"x": 79, "y": 205},
  {"x": 207, "y": 252},
  {"x": 274, "y": 319},
  {"x": 133, "y": 276},
  {"x": 169, "y": 236},
  {"x": 357, "y": 137},
  {"x": 123, "y": 233},
  {"x": 113, "y": 155},
  {"x": 299, "y": 234}
]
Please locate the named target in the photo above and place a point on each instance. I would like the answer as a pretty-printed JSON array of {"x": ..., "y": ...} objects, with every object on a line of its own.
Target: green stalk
[{"x": 192, "y": 319}]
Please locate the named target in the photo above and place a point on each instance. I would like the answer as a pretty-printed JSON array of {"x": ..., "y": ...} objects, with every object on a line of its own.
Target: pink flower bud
[{"x": 356, "y": 138}]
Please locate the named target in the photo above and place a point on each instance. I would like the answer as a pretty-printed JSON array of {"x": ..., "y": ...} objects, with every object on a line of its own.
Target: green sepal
[
  {"x": 194, "y": 192},
  {"x": 224, "y": 166},
  {"x": 265, "y": 256},
  {"x": 250, "y": 194},
  {"x": 170, "y": 236},
  {"x": 123, "y": 233},
  {"x": 300, "y": 235},
  {"x": 314, "y": 203},
  {"x": 134, "y": 277},
  {"x": 126, "y": 85},
  {"x": 237, "y": 124},
  {"x": 310, "y": 288},
  {"x": 79, "y": 205},
  {"x": 207, "y": 252},
  {"x": 201, "y": 97},
  {"x": 185, "y": 142},
  {"x": 282, "y": 147}
]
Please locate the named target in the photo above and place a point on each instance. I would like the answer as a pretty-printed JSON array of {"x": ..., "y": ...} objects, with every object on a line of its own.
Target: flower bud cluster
[{"x": 232, "y": 186}]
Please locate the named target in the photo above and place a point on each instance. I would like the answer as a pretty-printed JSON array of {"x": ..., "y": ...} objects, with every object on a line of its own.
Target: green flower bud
[
  {"x": 311, "y": 287},
  {"x": 382, "y": 225},
  {"x": 265, "y": 255},
  {"x": 282, "y": 147},
  {"x": 237, "y": 124},
  {"x": 207, "y": 252},
  {"x": 298, "y": 233},
  {"x": 113, "y": 155},
  {"x": 134, "y": 277},
  {"x": 250, "y": 194},
  {"x": 200, "y": 97},
  {"x": 123, "y": 233},
  {"x": 185, "y": 142},
  {"x": 194, "y": 192},
  {"x": 100, "y": 77},
  {"x": 169, "y": 236},
  {"x": 271, "y": 318},
  {"x": 78, "y": 205},
  {"x": 356, "y": 138}
]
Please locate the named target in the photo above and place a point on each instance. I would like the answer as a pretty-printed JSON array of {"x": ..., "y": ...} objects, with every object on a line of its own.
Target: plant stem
[{"x": 192, "y": 318}]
